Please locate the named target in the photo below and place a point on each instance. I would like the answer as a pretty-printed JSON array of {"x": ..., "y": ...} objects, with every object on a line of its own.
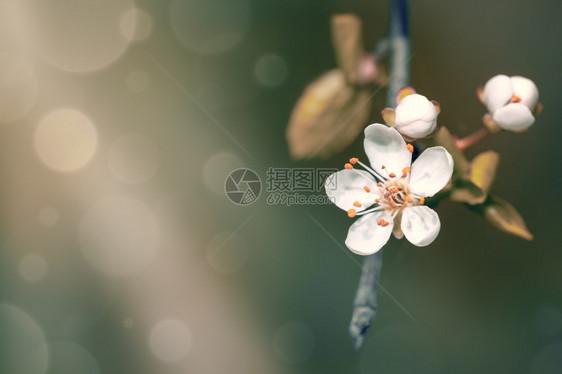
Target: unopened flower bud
[
  {"x": 416, "y": 116},
  {"x": 511, "y": 101}
]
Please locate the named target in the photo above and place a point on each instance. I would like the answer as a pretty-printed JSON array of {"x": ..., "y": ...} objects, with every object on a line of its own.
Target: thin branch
[{"x": 365, "y": 302}]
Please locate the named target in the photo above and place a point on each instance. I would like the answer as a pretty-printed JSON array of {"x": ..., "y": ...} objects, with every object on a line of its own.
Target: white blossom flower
[
  {"x": 389, "y": 195},
  {"x": 416, "y": 116},
  {"x": 511, "y": 101}
]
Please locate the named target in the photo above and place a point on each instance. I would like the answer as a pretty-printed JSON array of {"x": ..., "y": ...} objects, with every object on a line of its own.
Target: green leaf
[
  {"x": 503, "y": 216},
  {"x": 473, "y": 189},
  {"x": 446, "y": 140}
]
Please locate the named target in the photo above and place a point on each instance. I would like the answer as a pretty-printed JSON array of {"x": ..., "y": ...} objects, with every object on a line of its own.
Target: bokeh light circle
[
  {"x": 270, "y": 70},
  {"x": 227, "y": 252},
  {"x": 23, "y": 344},
  {"x": 33, "y": 267},
  {"x": 210, "y": 27},
  {"x": 170, "y": 340},
  {"x": 75, "y": 36},
  {"x": 133, "y": 158},
  {"x": 65, "y": 140},
  {"x": 18, "y": 88},
  {"x": 138, "y": 81},
  {"x": 136, "y": 24},
  {"x": 48, "y": 216},
  {"x": 217, "y": 168},
  {"x": 119, "y": 236},
  {"x": 68, "y": 357},
  {"x": 293, "y": 343}
]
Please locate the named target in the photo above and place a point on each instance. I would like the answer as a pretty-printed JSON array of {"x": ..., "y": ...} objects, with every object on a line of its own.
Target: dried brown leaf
[
  {"x": 347, "y": 39},
  {"x": 328, "y": 117}
]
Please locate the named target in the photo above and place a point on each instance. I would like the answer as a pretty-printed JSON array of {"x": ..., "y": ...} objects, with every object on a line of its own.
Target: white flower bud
[
  {"x": 511, "y": 101},
  {"x": 416, "y": 116}
]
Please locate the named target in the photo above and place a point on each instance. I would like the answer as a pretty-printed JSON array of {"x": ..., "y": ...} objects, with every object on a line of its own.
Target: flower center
[{"x": 391, "y": 192}]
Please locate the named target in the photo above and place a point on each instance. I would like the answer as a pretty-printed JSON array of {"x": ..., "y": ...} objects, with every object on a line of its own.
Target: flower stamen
[
  {"x": 348, "y": 166},
  {"x": 405, "y": 171},
  {"x": 351, "y": 213},
  {"x": 410, "y": 147},
  {"x": 382, "y": 222},
  {"x": 357, "y": 204},
  {"x": 353, "y": 160}
]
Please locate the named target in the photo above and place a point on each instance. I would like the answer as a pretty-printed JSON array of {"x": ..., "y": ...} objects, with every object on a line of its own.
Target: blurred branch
[{"x": 365, "y": 303}]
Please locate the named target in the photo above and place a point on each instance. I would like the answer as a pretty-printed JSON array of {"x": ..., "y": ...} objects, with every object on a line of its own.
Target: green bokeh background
[{"x": 482, "y": 301}]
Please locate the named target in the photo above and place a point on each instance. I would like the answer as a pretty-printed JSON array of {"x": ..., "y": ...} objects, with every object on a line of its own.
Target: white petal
[
  {"x": 416, "y": 117},
  {"x": 385, "y": 146},
  {"x": 418, "y": 129},
  {"x": 498, "y": 91},
  {"x": 412, "y": 108},
  {"x": 366, "y": 236},
  {"x": 514, "y": 117},
  {"x": 526, "y": 90},
  {"x": 420, "y": 225},
  {"x": 431, "y": 171},
  {"x": 347, "y": 186}
]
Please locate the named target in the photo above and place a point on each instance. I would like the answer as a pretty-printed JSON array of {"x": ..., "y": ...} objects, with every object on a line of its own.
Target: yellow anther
[
  {"x": 382, "y": 222},
  {"x": 357, "y": 204},
  {"x": 392, "y": 203},
  {"x": 391, "y": 175},
  {"x": 348, "y": 166},
  {"x": 408, "y": 198},
  {"x": 405, "y": 171},
  {"x": 379, "y": 184},
  {"x": 515, "y": 98},
  {"x": 367, "y": 189},
  {"x": 351, "y": 213},
  {"x": 422, "y": 200},
  {"x": 377, "y": 201},
  {"x": 353, "y": 160},
  {"x": 410, "y": 147}
]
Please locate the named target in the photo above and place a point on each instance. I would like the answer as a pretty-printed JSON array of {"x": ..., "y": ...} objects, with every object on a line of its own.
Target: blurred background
[{"x": 120, "y": 253}]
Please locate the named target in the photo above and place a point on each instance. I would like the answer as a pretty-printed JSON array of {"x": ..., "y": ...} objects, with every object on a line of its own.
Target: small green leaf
[
  {"x": 474, "y": 189},
  {"x": 464, "y": 191},
  {"x": 446, "y": 140},
  {"x": 504, "y": 217},
  {"x": 483, "y": 169}
]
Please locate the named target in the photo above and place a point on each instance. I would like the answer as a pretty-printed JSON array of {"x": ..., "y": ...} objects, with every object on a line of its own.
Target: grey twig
[{"x": 365, "y": 302}]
